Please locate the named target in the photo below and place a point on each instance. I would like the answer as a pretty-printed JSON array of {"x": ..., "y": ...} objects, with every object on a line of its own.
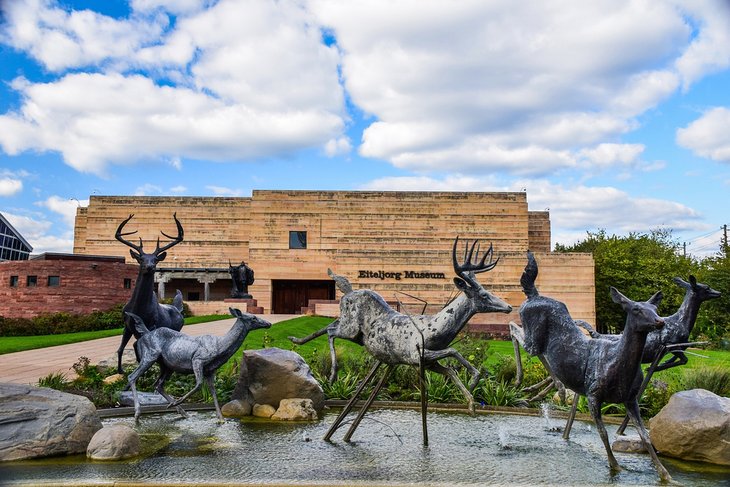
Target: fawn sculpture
[
  {"x": 143, "y": 302},
  {"x": 604, "y": 370},
  {"x": 177, "y": 352}
]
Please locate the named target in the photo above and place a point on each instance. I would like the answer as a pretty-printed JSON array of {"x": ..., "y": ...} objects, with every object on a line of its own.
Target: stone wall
[{"x": 85, "y": 285}]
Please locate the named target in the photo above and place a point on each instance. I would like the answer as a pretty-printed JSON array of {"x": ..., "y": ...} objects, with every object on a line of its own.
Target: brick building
[
  {"x": 396, "y": 243},
  {"x": 51, "y": 283}
]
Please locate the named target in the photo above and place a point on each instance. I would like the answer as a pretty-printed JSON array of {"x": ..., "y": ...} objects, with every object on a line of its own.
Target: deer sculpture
[
  {"x": 143, "y": 302},
  {"x": 177, "y": 352},
  {"x": 394, "y": 338},
  {"x": 604, "y": 370}
]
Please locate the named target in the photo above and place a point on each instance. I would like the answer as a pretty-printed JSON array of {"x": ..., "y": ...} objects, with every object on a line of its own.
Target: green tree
[
  {"x": 713, "y": 322},
  {"x": 638, "y": 265}
]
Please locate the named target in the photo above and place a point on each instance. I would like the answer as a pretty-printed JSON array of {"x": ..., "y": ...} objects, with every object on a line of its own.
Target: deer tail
[
  {"x": 341, "y": 281},
  {"x": 139, "y": 325},
  {"x": 177, "y": 301},
  {"x": 528, "y": 277}
]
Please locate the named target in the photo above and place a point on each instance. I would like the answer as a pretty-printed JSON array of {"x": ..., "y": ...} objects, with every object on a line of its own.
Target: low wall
[{"x": 201, "y": 308}]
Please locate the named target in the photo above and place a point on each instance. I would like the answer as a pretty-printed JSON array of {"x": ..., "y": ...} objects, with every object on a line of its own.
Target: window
[
  {"x": 127, "y": 283},
  {"x": 193, "y": 296},
  {"x": 54, "y": 281},
  {"x": 31, "y": 281},
  {"x": 297, "y": 240},
  {"x": 13, "y": 281}
]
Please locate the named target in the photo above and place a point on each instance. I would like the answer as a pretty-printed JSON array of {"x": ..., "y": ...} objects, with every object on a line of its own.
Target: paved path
[{"x": 29, "y": 366}]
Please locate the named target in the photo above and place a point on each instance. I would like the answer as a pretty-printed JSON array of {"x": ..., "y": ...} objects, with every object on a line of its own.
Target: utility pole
[
  {"x": 684, "y": 249},
  {"x": 725, "y": 249}
]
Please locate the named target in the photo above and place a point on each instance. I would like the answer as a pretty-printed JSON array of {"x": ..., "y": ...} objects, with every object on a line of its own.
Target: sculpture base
[
  {"x": 251, "y": 304},
  {"x": 242, "y": 296}
]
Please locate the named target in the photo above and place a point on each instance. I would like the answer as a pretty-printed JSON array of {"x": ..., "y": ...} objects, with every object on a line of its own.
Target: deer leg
[
  {"x": 316, "y": 334},
  {"x": 434, "y": 355},
  {"x": 517, "y": 334},
  {"x": 678, "y": 358},
  {"x": 210, "y": 380},
  {"x": 198, "y": 371},
  {"x": 632, "y": 408},
  {"x": 333, "y": 359},
  {"x": 555, "y": 382},
  {"x": 595, "y": 408},
  {"x": 126, "y": 336},
  {"x": 160, "y": 387},
  {"x": 451, "y": 374},
  {"x": 132, "y": 381}
]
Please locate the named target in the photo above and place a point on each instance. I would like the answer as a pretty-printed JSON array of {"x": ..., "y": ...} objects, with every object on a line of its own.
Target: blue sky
[{"x": 613, "y": 114}]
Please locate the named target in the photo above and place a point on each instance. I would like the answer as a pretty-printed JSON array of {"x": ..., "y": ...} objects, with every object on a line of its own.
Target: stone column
[
  {"x": 161, "y": 279},
  {"x": 207, "y": 280}
]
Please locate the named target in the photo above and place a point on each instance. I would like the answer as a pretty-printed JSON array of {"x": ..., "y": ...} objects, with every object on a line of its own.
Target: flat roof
[{"x": 61, "y": 256}]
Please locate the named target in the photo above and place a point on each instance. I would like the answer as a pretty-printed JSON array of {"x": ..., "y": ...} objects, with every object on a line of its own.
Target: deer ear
[
  {"x": 161, "y": 256},
  {"x": 134, "y": 255},
  {"x": 693, "y": 281},
  {"x": 656, "y": 299},
  {"x": 617, "y": 297},
  {"x": 461, "y": 284},
  {"x": 681, "y": 282}
]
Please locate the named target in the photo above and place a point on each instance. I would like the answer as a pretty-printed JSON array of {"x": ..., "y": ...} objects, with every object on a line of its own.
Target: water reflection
[{"x": 386, "y": 450}]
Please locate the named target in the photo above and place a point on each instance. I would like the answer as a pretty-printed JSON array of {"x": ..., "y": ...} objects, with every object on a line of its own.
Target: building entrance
[{"x": 290, "y": 296}]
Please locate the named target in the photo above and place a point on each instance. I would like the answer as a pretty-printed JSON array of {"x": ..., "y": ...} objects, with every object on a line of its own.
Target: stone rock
[
  {"x": 115, "y": 442},
  {"x": 267, "y": 376},
  {"x": 40, "y": 422},
  {"x": 110, "y": 363},
  {"x": 236, "y": 409},
  {"x": 694, "y": 425},
  {"x": 628, "y": 444},
  {"x": 263, "y": 410},
  {"x": 113, "y": 379},
  {"x": 126, "y": 398},
  {"x": 295, "y": 410}
]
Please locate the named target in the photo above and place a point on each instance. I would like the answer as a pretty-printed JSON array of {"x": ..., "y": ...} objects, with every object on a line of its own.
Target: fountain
[{"x": 489, "y": 449}]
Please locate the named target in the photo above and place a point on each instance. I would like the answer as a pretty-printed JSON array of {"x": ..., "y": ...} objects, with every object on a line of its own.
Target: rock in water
[
  {"x": 115, "y": 442},
  {"x": 295, "y": 410},
  {"x": 270, "y": 375},
  {"x": 694, "y": 425},
  {"x": 40, "y": 422}
]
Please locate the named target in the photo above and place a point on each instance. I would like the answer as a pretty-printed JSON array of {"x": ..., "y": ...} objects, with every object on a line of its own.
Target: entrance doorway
[{"x": 290, "y": 296}]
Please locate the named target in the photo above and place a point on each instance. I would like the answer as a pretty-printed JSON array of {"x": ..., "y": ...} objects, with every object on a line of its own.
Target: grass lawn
[{"x": 19, "y": 344}]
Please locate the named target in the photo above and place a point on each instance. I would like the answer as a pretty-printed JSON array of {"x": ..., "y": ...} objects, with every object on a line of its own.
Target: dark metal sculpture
[
  {"x": 604, "y": 370},
  {"x": 176, "y": 352},
  {"x": 143, "y": 302},
  {"x": 422, "y": 340},
  {"x": 671, "y": 339},
  {"x": 242, "y": 276}
]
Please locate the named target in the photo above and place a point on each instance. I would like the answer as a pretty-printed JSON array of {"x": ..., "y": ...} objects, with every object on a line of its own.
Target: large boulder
[
  {"x": 41, "y": 422},
  {"x": 115, "y": 442},
  {"x": 694, "y": 425},
  {"x": 267, "y": 376}
]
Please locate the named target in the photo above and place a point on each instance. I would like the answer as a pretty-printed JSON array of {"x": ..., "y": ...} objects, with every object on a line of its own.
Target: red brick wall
[{"x": 85, "y": 286}]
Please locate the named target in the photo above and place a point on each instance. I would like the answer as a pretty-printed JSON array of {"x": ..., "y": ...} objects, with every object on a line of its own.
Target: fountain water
[{"x": 489, "y": 449}]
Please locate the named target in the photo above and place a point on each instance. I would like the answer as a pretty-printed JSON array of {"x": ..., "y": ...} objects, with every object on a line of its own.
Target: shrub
[
  {"x": 505, "y": 370},
  {"x": 57, "y": 323},
  {"x": 497, "y": 393},
  {"x": 713, "y": 379},
  {"x": 655, "y": 397}
]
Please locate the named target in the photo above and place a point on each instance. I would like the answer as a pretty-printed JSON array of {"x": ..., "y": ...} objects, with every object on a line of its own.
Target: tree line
[{"x": 640, "y": 264}]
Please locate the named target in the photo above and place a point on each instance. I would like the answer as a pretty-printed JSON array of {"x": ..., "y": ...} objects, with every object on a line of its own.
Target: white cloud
[
  {"x": 147, "y": 189},
  {"x": 178, "y": 189},
  {"x": 337, "y": 147},
  {"x": 251, "y": 79},
  {"x": 606, "y": 155},
  {"x": 708, "y": 136},
  {"x": 223, "y": 191},
  {"x": 10, "y": 186},
  {"x": 478, "y": 85},
  {"x": 573, "y": 209},
  {"x": 66, "y": 207},
  {"x": 36, "y": 232}
]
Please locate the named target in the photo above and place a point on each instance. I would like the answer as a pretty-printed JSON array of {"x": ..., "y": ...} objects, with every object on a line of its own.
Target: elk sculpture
[
  {"x": 177, "y": 352},
  {"x": 604, "y": 370},
  {"x": 143, "y": 302},
  {"x": 421, "y": 340}
]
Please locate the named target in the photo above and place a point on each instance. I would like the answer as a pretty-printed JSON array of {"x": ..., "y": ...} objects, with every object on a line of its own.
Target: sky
[{"x": 612, "y": 114}]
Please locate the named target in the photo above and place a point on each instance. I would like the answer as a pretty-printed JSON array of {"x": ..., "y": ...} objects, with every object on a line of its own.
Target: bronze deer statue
[
  {"x": 143, "y": 302},
  {"x": 394, "y": 338},
  {"x": 604, "y": 370}
]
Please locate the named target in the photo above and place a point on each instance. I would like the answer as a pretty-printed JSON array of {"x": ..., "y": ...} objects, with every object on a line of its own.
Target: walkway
[{"x": 29, "y": 366}]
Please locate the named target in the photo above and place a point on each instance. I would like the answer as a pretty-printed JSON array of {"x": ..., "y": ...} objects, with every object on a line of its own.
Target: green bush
[
  {"x": 655, "y": 397},
  {"x": 498, "y": 393},
  {"x": 57, "y": 323},
  {"x": 713, "y": 379},
  {"x": 505, "y": 370}
]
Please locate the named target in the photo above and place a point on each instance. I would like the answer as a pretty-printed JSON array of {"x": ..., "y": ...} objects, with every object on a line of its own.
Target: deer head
[
  {"x": 703, "y": 291},
  {"x": 484, "y": 301},
  {"x": 148, "y": 261},
  {"x": 643, "y": 315}
]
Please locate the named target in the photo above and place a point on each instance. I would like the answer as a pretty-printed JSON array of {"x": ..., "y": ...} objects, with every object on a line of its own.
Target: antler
[
  {"x": 175, "y": 240},
  {"x": 119, "y": 235},
  {"x": 468, "y": 269}
]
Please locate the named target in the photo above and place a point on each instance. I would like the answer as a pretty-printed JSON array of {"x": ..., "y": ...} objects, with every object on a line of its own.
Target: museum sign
[{"x": 382, "y": 275}]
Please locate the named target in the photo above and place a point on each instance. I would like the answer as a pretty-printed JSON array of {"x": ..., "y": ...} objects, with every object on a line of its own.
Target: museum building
[{"x": 398, "y": 244}]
